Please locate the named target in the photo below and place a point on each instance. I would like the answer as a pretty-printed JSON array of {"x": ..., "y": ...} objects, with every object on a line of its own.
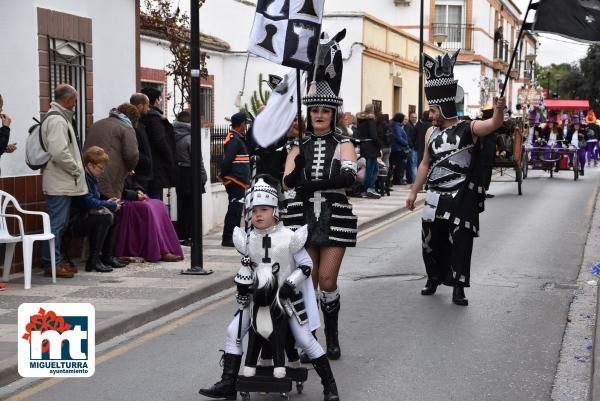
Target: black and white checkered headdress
[{"x": 440, "y": 85}]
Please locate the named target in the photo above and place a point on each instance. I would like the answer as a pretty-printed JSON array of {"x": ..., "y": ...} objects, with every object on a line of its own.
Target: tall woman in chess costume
[{"x": 319, "y": 169}]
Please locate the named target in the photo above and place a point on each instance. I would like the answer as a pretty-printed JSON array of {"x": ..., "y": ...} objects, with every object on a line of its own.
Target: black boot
[
  {"x": 331, "y": 311},
  {"x": 96, "y": 238},
  {"x": 430, "y": 287},
  {"x": 323, "y": 369},
  {"x": 108, "y": 250},
  {"x": 458, "y": 296},
  {"x": 225, "y": 388}
]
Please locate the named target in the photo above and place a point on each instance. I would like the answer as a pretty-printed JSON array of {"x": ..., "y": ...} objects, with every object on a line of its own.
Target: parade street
[{"x": 397, "y": 344}]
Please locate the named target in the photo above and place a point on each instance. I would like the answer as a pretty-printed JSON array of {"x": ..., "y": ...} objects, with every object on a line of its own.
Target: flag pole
[
  {"x": 519, "y": 38},
  {"x": 299, "y": 103}
]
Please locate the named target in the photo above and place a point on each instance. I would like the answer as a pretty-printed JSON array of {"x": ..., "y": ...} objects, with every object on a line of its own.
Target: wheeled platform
[{"x": 264, "y": 382}]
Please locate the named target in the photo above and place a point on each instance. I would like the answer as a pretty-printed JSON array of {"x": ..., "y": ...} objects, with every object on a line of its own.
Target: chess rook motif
[
  {"x": 441, "y": 86},
  {"x": 305, "y": 34}
]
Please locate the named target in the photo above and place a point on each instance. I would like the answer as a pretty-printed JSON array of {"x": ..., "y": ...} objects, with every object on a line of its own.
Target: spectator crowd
[{"x": 110, "y": 190}]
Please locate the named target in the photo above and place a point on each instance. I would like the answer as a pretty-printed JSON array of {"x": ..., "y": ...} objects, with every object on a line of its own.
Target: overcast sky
[{"x": 553, "y": 48}]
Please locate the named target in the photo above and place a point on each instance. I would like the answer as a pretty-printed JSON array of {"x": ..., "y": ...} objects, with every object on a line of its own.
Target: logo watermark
[{"x": 57, "y": 340}]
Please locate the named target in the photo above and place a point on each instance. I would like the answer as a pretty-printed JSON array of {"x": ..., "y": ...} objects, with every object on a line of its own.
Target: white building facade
[
  {"x": 89, "y": 44},
  {"x": 63, "y": 41}
]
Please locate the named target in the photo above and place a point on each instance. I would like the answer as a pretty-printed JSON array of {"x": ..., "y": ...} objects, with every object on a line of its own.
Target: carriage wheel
[
  {"x": 519, "y": 178},
  {"x": 299, "y": 387},
  {"x": 524, "y": 164},
  {"x": 576, "y": 166},
  {"x": 284, "y": 397},
  {"x": 551, "y": 170}
]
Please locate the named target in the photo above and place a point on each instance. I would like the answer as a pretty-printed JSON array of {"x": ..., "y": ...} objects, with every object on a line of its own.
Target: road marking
[{"x": 123, "y": 349}]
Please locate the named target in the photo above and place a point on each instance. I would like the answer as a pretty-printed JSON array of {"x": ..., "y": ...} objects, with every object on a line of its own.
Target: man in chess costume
[
  {"x": 453, "y": 172},
  {"x": 270, "y": 243}
]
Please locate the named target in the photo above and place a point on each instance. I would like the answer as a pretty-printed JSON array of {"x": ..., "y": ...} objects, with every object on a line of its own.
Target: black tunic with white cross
[
  {"x": 328, "y": 213},
  {"x": 455, "y": 174}
]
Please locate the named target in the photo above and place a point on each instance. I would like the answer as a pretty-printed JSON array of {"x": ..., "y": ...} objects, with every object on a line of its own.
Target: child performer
[{"x": 286, "y": 248}]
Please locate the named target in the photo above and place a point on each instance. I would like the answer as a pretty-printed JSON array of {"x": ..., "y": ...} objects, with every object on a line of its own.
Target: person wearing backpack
[
  {"x": 161, "y": 135},
  {"x": 63, "y": 177}
]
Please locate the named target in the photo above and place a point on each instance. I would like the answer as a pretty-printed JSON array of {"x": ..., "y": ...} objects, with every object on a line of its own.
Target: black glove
[
  {"x": 242, "y": 300},
  {"x": 293, "y": 179},
  {"x": 307, "y": 189},
  {"x": 286, "y": 291}
]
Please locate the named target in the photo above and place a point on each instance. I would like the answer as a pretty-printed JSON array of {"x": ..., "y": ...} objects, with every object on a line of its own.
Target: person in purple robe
[{"x": 145, "y": 229}]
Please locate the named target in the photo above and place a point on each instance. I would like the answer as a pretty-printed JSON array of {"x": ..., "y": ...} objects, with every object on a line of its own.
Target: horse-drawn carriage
[
  {"x": 560, "y": 155},
  {"x": 509, "y": 153}
]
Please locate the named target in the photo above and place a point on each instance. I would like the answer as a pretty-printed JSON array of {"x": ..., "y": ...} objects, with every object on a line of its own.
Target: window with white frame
[
  {"x": 450, "y": 20},
  {"x": 450, "y": 12}
]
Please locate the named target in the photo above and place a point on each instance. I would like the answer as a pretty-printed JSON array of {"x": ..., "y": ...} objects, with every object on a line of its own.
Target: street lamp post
[
  {"x": 530, "y": 58},
  {"x": 439, "y": 38},
  {"x": 196, "y": 256}
]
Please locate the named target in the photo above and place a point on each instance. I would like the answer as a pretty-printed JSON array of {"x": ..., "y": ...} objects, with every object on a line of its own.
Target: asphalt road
[{"x": 397, "y": 344}]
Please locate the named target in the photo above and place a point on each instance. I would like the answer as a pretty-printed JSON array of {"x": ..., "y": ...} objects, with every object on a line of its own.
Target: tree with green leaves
[{"x": 575, "y": 81}]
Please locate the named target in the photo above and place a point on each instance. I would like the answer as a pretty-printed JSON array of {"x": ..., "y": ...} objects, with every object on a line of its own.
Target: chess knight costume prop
[
  {"x": 273, "y": 257},
  {"x": 320, "y": 168},
  {"x": 454, "y": 181}
]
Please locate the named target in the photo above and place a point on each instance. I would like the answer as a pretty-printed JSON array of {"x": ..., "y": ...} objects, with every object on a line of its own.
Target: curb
[{"x": 119, "y": 325}]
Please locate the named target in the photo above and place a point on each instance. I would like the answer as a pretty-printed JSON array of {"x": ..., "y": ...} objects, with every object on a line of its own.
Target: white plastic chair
[{"x": 27, "y": 239}]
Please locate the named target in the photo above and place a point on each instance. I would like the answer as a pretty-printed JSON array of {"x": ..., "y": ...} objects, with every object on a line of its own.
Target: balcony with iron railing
[
  {"x": 502, "y": 51},
  {"x": 458, "y": 36}
]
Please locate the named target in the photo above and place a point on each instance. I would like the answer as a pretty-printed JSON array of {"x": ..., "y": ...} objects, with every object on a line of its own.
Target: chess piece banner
[{"x": 286, "y": 32}]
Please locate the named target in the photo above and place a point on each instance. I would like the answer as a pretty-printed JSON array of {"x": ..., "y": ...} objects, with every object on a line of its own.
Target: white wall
[
  {"x": 228, "y": 20},
  {"x": 113, "y": 35},
  {"x": 351, "y": 90}
]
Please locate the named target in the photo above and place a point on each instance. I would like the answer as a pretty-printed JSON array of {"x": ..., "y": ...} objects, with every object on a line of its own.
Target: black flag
[{"x": 575, "y": 19}]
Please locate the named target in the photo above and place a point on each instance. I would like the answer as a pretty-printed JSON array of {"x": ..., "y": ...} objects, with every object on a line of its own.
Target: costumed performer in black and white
[
  {"x": 286, "y": 248},
  {"x": 452, "y": 170},
  {"x": 320, "y": 172}
]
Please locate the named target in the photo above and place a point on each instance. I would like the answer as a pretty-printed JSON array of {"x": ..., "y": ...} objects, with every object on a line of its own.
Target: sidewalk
[{"x": 131, "y": 297}]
